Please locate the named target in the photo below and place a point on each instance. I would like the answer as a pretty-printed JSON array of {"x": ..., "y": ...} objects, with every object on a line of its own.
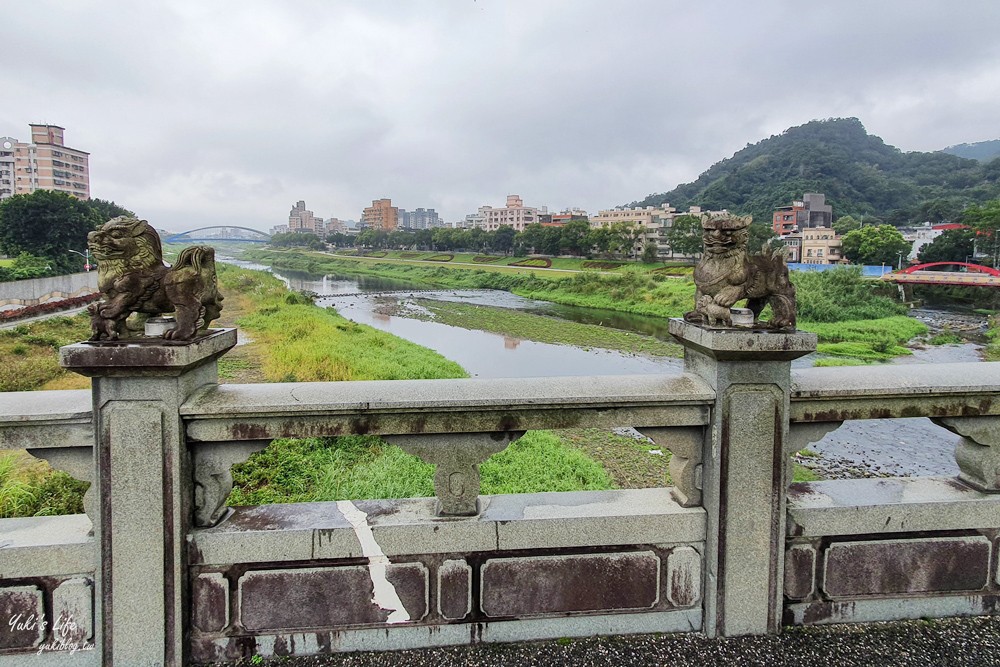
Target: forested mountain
[
  {"x": 984, "y": 151},
  {"x": 858, "y": 172}
]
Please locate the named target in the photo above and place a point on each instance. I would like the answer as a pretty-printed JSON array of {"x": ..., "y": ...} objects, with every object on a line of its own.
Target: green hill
[
  {"x": 859, "y": 174},
  {"x": 984, "y": 151}
]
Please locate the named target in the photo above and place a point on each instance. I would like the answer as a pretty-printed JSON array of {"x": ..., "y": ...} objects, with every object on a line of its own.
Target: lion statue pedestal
[{"x": 133, "y": 279}]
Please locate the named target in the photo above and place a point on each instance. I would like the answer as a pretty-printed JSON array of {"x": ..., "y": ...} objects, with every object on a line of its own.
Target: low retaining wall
[{"x": 39, "y": 290}]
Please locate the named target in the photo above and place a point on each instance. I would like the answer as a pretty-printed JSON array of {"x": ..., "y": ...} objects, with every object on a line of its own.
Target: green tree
[
  {"x": 684, "y": 236},
  {"x": 48, "y": 224},
  {"x": 503, "y": 239},
  {"x": 339, "y": 239},
  {"x": 532, "y": 239},
  {"x": 624, "y": 236},
  {"x": 649, "y": 253},
  {"x": 985, "y": 219},
  {"x": 846, "y": 223},
  {"x": 599, "y": 238},
  {"x": 27, "y": 266},
  {"x": 953, "y": 245},
  {"x": 290, "y": 239},
  {"x": 760, "y": 235},
  {"x": 574, "y": 237},
  {"x": 875, "y": 245},
  {"x": 108, "y": 209}
]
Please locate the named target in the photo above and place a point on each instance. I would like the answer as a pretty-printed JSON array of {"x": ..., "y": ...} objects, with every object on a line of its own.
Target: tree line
[
  {"x": 46, "y": 232},
  {"x": 574, "y": 238}
]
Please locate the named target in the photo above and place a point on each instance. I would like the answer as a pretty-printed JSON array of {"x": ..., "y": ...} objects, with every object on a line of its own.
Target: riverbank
[
  {"x": 856, "y": 322},
  {"x": 533, "y": 327}
]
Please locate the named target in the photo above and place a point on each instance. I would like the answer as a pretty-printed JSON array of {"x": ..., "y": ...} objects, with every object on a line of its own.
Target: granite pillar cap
[
  {"x": 145, "y": 357},
  {"x": 724, "y": 344}
]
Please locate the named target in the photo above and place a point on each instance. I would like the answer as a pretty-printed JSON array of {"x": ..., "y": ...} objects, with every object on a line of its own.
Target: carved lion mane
[{"x": 132, "y": 278}]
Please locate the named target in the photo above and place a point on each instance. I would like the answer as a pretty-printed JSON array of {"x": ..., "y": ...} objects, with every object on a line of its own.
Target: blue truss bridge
[{"x": 218, "y": 233}]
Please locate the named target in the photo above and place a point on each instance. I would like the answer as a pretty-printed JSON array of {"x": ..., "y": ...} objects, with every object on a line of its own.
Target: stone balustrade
[{"x": 166, "y": 572}]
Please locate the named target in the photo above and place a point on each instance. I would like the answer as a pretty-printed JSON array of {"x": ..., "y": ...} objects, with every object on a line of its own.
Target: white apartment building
[
  {"x": 515, "y": 214},
  {"x": 653, "y": 221}
]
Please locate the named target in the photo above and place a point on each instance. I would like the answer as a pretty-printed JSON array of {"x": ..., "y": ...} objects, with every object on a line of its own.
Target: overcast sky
[{"x": 199, "y": 112}]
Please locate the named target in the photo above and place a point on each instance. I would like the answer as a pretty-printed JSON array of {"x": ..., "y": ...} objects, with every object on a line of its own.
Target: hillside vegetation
[
  {"x": 859, "y": 174},
  {"x": 984, "y": 151}
]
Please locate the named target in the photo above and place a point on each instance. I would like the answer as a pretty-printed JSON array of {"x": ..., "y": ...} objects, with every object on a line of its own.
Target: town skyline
[{"x": 226, "y": 113}]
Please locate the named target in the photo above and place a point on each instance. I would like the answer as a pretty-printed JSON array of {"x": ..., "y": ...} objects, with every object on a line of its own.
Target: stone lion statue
[
  {"x": 132, "y": 278},
  {"x": 727, "y": 274}
]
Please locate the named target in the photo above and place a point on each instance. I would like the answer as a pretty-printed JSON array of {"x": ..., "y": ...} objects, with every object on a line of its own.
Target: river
[{"x": 861, "y": 448}]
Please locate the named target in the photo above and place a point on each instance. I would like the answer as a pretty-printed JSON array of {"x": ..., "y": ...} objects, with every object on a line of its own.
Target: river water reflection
[{"x": 877, "y": 447}]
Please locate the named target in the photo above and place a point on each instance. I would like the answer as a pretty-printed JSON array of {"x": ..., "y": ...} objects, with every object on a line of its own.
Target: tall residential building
[
  {"x": 381, "y": 215},
  {"x": 515, "y": 214},
  {"x": 302, "y": 220},
  {"x": 812, "y": 211},
  {"x": 46, "y": 163},
  {"x": 421, "y": 218}
]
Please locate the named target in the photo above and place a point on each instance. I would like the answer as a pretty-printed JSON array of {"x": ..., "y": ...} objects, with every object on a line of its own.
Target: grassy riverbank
[
  {"x": 299, "y": 342},
  {"x": 541, "y": 328},
  {"x": 993, "y": 334},
  {"x": 855, "y": 319},
  {"x": 30, "y": 352}
]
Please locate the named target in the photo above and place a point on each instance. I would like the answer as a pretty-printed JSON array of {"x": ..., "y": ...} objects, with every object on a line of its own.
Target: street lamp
[{"x": 86, "y": 258}]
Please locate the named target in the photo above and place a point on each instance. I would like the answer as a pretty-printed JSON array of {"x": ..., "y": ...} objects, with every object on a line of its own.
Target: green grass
[
  {"x": 30, "y": 351},
  {"x": 841, "y": 361},
  {"x": 28, "y": 487},
  {"x": 868, "y": 340},
  {"x": 945, "y": 338},
  {"x": 355, "y": 467},
  {"x": 861, "y": 351},
  {"x": 304, "y": 343},
  {"x": 992, "y": 351},
  {"x": 544, "y": 329},
  {"x": 804, "y": 474}
]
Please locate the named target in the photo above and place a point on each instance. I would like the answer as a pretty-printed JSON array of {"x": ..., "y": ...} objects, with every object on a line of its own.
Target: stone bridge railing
[{"x": 167, "y": 573}]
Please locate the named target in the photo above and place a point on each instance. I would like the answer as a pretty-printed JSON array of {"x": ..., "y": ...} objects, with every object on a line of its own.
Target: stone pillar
[
  {"x": 144, "y": 489},
  {"x": 744, "y": 474}
]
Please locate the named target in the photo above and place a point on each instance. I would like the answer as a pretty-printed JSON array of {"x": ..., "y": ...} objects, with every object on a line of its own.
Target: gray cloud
[{"x": 229, "y": 111}]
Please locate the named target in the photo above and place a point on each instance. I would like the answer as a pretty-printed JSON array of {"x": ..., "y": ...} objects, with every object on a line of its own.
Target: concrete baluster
[
  {"x": 144, "y": 489},
  {"x": 744, "y": 471},
  {"x": 457, "y": 457},
  {"x": 978, "y": 452},
  {"x": 685, "y": 444}
]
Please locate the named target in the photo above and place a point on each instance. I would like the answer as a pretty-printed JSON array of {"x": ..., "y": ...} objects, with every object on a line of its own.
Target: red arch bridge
[{"x": 975, "y": 275}]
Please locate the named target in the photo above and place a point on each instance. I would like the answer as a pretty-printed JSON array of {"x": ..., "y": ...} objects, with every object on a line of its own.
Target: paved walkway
[{"x": 971, "y": 642}]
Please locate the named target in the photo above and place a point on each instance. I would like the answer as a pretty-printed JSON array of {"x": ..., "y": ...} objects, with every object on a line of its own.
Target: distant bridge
[
  {"x": 228, "y": 235},
  {"x": 975, "y": 275}
]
